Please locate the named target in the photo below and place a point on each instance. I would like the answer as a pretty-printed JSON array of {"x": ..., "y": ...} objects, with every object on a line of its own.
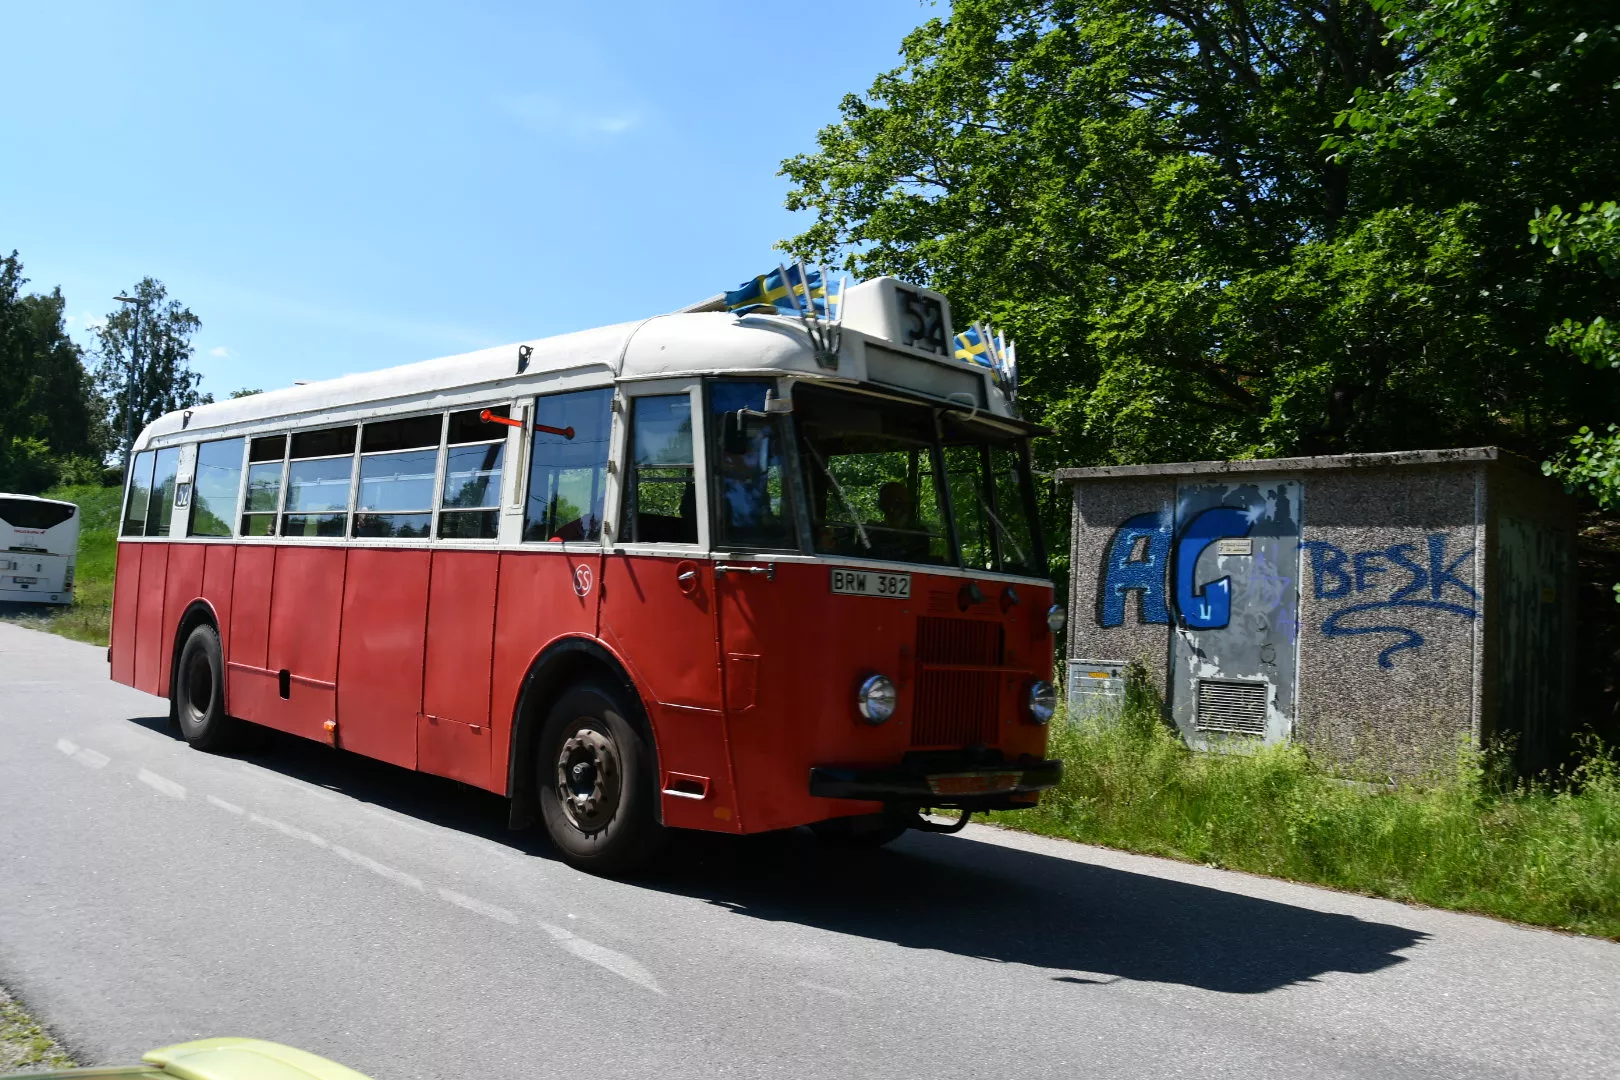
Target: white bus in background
[{"x": 39, "y": 541}]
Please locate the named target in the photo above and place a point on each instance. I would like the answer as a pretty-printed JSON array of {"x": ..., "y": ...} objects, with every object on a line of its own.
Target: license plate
[
  {"x": 26, "y": 580},
  {"x": 973, "y": 783},
  {"x": 868, "y": 583}
]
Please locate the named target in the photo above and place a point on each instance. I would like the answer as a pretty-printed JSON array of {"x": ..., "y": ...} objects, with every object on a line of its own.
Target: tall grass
[
  {"x": 89, "y": 617},
  {"x": 1472, "y": 840}
]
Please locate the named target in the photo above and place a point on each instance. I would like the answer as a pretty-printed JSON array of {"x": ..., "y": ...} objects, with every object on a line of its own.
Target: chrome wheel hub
[{"x": 588, "y": 779}]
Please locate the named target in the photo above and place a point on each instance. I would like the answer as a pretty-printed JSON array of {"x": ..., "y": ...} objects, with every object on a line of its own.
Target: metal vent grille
[
  {"x": 958, "y": 641},
  {"x": 1232, "y": 705},
  {"x": 958, "y": 698}
]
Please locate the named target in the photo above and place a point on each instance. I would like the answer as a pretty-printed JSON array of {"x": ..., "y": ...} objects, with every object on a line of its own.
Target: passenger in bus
[{"x": 899, "y": 535}]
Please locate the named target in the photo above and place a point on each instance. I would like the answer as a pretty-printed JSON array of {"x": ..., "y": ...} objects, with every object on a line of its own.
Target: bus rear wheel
[
  {"x": 596, "y": 782},
  {"x": 198, "y": 693}
]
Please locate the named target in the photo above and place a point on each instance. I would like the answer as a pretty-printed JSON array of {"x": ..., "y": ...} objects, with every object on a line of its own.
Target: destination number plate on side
[{"x": 870, "y": 583}]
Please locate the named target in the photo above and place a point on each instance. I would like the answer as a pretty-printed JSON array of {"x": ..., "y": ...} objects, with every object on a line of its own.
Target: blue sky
[{"x": 342, "y": 187}]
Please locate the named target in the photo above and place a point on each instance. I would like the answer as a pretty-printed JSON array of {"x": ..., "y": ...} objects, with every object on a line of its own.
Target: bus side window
[
  {"x": 567, "y": 476},
  {"x": 474, "y": 452},
  {"x": 217, "y": 487},
  {"x": 166, "y": 465},
  {"x": 266, "y": 462},
  {"x": 661, "y": 496},
  {"x": 320, "y": 465},
  {"x": 140, "y": 494},
  {"x": 398, "y": 460}
]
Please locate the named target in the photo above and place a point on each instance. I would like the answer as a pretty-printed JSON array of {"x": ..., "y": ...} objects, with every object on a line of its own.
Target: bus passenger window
[
  {"x": 266, "y": 460},
  {"x": 140, "y": 494},
  {"x": 566, "y": 476},
  {"x": 398, "y": 459},
  {"x": 218, "y": 486},
  {"x": 161, "y": 513},
  {"x": 320, "y": 465},
  {"x": 661, "y": 497},
  {"x": 470, "y": 509}
]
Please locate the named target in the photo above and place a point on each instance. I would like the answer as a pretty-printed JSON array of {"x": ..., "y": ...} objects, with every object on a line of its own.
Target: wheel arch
[
  {"x": 198, "y": 613},
  {"x": 558, "y": 665}
]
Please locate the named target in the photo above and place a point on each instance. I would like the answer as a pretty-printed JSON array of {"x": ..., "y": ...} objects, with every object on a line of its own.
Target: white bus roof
[
  {"x": 38, "y": 499},
  {"x": 679, "y": 344}
]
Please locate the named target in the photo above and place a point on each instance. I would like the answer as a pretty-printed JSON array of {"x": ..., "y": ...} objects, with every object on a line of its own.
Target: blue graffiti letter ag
[
  {"x": 1209, "y": 608},
  {"x": 1123, "y": 574}
]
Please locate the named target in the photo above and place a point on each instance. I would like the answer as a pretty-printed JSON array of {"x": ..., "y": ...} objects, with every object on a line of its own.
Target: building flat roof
[{"x": 1397, "y": 459}]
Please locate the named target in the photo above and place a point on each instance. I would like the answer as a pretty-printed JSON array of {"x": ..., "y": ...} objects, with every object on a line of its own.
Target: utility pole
[{"x": 134, "y": 373}]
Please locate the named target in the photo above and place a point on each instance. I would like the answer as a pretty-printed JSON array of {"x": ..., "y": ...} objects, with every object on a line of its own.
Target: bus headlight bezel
[
  {"x": 877, "y": 699},
  {"x": 1041, "y": 702}
]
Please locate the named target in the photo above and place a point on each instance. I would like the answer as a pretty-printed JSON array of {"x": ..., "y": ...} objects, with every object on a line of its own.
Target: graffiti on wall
[
  {"x": 1148, "y": 557},
  {"x": 1145, "y": 557},
  {"x": 1419, "y": 581}
]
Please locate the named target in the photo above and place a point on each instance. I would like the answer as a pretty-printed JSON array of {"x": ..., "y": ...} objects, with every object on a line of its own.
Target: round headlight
[
  {"x": 1056, "y": 619},
  {"x": 876, "y": 699},
  {"x": 1042, "y": 701}
]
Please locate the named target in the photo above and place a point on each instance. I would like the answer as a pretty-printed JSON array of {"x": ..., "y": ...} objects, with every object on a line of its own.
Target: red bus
[{"x": 688, "y": 572}]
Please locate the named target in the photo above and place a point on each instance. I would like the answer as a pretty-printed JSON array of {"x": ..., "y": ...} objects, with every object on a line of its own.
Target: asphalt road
[{"x": 150, "y": 893}]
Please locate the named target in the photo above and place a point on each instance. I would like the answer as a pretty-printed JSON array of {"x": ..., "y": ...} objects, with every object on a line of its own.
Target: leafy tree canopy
[
  {"x": 164, "y": 379},
  {"x": 1225, "y": 229},
  {"x": 47, "y": 409}
]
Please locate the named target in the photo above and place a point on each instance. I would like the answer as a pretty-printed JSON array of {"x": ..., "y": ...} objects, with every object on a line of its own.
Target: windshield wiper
[
  {"x": 854, "y": 518},
  {"x": 1005, "y": 532}
]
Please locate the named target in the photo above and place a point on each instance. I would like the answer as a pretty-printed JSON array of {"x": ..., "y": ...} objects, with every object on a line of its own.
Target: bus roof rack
[{"x": 717, "y": 302}]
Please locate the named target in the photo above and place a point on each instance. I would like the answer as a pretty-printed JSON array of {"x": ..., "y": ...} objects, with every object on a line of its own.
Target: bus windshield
[{"x": 906, "y": 482}]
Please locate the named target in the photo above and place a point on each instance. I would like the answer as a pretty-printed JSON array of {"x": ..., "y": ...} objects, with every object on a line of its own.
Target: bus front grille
[{"x": 958, "y": 694}]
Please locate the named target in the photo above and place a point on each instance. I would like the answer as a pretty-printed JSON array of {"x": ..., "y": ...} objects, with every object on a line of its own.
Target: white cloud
[
  {"x": 92, "y": 321},
  {"x": 550, "y": 115},
  {"x": 220, "y": 351}
]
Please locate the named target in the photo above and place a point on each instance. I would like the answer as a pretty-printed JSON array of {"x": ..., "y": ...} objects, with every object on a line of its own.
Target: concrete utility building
[{"x": 1375, "y": 608}]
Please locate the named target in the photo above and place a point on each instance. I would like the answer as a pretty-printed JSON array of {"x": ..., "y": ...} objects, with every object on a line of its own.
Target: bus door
[
  {"x": 657, "y": 605},
  {"x": 766, "y": 604}
]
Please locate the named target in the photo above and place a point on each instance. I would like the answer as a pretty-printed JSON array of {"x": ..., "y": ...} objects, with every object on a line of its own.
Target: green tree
[
  {"x": 1154, "y": 199},
  {"x": 165, "y": 381},
  {"x": 1592, "y": 459},
  {"x": 48, "y": 412}
]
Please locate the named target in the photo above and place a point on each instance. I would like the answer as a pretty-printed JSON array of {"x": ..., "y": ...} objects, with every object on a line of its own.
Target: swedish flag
[
  {"x": 791, "y": 290},
  {"x": 973, "y": 347}
]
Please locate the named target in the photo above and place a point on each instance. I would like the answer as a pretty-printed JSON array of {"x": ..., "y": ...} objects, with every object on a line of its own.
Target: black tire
[
  {"x": 596, "y": 778},
  {"x": 864, "y": 830},
  {"x": 198, "y": 693}
]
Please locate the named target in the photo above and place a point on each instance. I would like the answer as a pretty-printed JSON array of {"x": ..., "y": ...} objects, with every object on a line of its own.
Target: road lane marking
[
  {"x": 480, "y": 906},
  {"x": 230, "y": 808},
  {"x": 288, "y": 830},
  {"x": 602, "y": 956},
  {"x": 378, "y": 868},
  {"x": 94, "y": 759},
  {"x": 161, "y": 783},
  {"x": 67, "y": 746}
]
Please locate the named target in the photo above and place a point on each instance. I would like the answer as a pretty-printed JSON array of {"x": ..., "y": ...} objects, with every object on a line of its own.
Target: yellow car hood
[{"x": 245, "y": 1059}]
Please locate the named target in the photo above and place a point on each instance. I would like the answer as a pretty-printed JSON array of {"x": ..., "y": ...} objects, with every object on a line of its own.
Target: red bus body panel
[
  {"x": 748, "y": 679},
  {"x": 385, "y": 603}
]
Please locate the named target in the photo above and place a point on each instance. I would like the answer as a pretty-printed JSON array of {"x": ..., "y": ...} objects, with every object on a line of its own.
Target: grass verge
[
  {"x": 24, "y": 1045},
  {"x": 1547, "y": 854},
  {"x": 89, "y": 617}
]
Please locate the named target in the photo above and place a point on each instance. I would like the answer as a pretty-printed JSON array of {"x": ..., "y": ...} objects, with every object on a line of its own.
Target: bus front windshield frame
[{"x": 902, "y": 481}]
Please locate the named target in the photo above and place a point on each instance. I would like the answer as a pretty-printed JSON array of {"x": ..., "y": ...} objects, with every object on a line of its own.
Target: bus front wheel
[
  {"x": 198, "y": 693},
  {"x": 596, "y": 782}
]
